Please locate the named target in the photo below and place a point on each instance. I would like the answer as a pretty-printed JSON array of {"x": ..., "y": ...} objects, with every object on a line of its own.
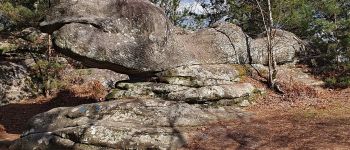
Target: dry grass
[
  {"x": 293, "y": 90},
  {"x": 93, "y": 90},
  {"x": 322, "y": 122}
]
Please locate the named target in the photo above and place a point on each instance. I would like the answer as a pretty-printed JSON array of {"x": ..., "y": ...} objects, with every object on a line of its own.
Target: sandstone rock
[
  {"x": 125, "y": 35},
  {"x": 143, "y": 90},
  {"x": 285, "y": 44},
  {"x": 288, "y": 74},
  {"x": 207, "y": 94},
  {"x": 14, "y": 83},
  {"x": 297, "y": 76},
  {"x": 107, "y": 78},
  {"x": 238, "y": 39},
  {"x": 135, "y": 37},
  {"x": 122, "y": 54},
  {"x": 203, "y": 75},
  {"x": 213, "y": 93},
  {"x": 192, "y": 84},
  {"x": 122, "y": 124}
]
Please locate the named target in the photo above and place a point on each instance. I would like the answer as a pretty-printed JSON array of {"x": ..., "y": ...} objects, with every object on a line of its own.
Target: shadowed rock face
[{"x": 5, "y": 23}]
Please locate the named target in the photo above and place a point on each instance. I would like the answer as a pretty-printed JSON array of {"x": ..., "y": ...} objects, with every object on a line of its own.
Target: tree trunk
[
  {"x": 269, "y": 45},
  {"x": 271, "y": 61}
]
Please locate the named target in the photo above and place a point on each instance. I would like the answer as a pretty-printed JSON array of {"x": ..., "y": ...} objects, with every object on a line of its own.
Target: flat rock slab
[
  {"x": 203, "y": 75},
  {"x": 122, "y": 124},
  {"x": 183, "y": 93}
]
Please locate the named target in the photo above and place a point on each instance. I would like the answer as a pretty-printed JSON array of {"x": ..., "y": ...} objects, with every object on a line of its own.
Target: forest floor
[
  {"x": 276, "y": 122},
  {"x": 303, "y": 123}
]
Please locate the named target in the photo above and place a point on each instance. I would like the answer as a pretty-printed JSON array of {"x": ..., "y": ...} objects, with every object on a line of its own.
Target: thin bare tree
[{"x": 268, "y": 25}]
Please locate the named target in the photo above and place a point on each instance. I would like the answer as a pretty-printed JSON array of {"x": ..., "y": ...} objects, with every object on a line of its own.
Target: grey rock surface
[
  {"x": 285, "y": 45},
  {"x": 234, "y": 92},
  {"x": 14, "y": 83},
  {"x": 203, "y": 75},
  {"x": 213, "y": 93},
  {"x": 121, "y": 124},
  {"x": 135, "y": 37},
  {"x": 192, "y": 84},
  {"x": 124, "y": 36}
]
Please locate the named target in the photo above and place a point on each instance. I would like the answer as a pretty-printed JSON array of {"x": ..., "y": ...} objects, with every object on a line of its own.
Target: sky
[{"x": 192, "y": 5}]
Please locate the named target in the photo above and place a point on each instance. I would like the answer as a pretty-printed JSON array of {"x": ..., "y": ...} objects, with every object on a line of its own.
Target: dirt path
[{"x": 276, "y": 123}]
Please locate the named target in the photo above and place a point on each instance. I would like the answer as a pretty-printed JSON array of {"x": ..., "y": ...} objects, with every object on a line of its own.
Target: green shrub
[
  {"x": 338, "y": 82},
  {"x": 7, "y": 47},
  {"x": 45, "y": 75},
  {"x": 18, "y": 14},
  {"x": 24, "y": 13}
]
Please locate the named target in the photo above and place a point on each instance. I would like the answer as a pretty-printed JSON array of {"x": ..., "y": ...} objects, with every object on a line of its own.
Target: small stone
[{"x": 244, "y": 103}]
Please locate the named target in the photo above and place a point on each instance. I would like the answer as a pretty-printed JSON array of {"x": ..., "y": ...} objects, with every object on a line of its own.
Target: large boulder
[
  {"x": 135, "y": 37},
  {"x": 125, "y": 36},
  {"x": 286, "y": 46},
  {"x": 122, "y": 124},
  {"x": 14, "y": 83}
]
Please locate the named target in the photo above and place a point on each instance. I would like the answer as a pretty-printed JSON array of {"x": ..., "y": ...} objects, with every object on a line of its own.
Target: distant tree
[
  {"x": 170, "y": 8},
  {"x": 215, "y": 10},
  {"x": 24, "y": 13}
]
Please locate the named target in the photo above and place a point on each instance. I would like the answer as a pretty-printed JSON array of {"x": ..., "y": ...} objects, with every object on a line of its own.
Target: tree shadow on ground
[
  {"x": 14, "y": 117},
  {"x": 281, "y": 132}
]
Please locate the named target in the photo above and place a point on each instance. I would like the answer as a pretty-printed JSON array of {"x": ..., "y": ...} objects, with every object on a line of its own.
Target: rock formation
[
  {"x": 179, "y": 79},
  {"x": 135, "y": 37},
  {"x": 286, "y": 45},
  {"x": 122, "y": 124},
  {"x": 14, "y": 83}
]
